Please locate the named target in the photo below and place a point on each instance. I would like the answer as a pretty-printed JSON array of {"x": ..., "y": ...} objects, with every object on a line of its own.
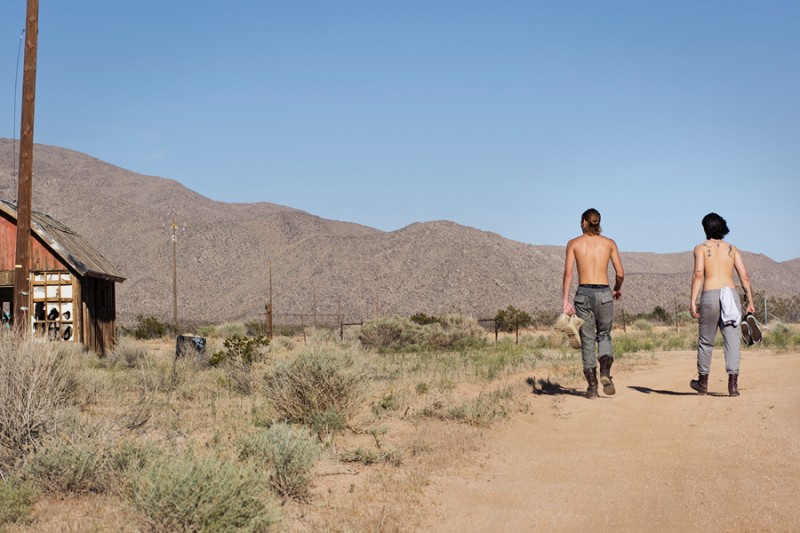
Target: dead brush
[{"x": 36, "y": 382}]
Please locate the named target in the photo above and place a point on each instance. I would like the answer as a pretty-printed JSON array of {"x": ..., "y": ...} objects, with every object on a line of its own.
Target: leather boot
[
  {"x": 591, "y": 378},
  {"x": 605, "y": 374},
  {"x": 700, "y": 384},
  {"x": 733, "y": 384}
]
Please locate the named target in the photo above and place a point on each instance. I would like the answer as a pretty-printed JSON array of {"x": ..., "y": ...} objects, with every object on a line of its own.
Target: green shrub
[
  {"x": 512, "y": 319},
  {"x": 36, "y": 382},
  {"x": 287, "y": 454},
  {"x": 129, "y": 457},
  {"x": 320, "y": 379},
  {"x": 239, "y": 348},
  {"x": 16, "y": 501},
  {"x": 149, "y": 328},
  {"x": 643, "y": 324},
  {"x": 206, "y": 495},
  {"x": 423, "y": 320},
  {"x": 68, "y": 469}
]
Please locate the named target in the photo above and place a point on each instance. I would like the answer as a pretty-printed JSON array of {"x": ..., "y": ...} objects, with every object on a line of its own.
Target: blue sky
[{"x": 507, "y": 116}]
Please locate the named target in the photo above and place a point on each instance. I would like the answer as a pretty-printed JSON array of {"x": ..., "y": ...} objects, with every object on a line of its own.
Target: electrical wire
[{"x": 14, "y": 114}]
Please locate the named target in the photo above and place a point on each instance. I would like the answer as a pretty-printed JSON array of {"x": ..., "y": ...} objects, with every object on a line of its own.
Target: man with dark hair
[
  {"x": 594, "y": 300},
  {"x": 720, "y": 306}
]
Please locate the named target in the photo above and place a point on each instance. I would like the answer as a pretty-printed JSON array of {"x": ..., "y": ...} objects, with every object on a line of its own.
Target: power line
[{"x": 14, "y": 113}]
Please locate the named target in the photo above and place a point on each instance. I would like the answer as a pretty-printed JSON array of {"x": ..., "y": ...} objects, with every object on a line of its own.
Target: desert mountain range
[{"x": 319, "y": 267}]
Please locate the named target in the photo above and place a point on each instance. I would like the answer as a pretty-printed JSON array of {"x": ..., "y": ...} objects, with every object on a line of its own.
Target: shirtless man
[
  {"x": 594, "y": 300},
  {"x": 714, "y": 263}
]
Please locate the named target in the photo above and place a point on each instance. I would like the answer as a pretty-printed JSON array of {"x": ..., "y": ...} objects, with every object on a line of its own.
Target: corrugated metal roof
[{"x": 68, "y": 245}]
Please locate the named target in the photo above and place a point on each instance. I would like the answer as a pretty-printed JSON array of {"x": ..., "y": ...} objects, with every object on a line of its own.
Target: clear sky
[{"x": 507, "y": 116}]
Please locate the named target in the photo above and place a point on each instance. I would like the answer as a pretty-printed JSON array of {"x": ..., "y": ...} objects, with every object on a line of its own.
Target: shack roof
[{"x": 73, "y": 249}]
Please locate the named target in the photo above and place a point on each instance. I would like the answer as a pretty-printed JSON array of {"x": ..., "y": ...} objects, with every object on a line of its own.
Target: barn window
[{"x": 53, "y": 314}]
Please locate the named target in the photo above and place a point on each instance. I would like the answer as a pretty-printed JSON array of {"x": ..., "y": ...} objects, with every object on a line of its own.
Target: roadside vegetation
[{"x": 285, "y": 434}]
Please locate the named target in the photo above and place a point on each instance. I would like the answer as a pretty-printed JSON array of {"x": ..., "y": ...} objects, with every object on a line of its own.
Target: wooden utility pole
[
  {"x": 269, "y": 304},
  {"x": 22, "y": 264},
  {"x": 174, "y": 237}
]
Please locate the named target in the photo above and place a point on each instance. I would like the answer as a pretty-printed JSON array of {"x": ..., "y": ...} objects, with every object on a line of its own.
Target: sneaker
[
  {"x": 755, "y": 327},
  {"x": 746, "y": 337}
]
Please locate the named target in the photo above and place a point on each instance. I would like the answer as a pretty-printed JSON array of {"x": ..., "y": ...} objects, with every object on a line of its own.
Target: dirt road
[{"x": 654, "y": 457}]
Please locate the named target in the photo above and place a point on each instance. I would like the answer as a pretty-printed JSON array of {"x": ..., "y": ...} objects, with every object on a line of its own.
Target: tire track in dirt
[{"x": 655, "y": 457}]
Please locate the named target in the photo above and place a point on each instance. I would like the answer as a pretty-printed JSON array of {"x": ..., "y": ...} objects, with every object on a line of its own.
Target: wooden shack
[{"x": 72, "y": 286}]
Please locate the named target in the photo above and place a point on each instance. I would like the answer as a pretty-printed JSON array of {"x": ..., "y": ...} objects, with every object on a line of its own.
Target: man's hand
[
  {"x": 617, "y": 295},
  {"x": 750, "y": 308},
  {"x": 568, "y": 309},
  {"x": 693, "y": 310}
]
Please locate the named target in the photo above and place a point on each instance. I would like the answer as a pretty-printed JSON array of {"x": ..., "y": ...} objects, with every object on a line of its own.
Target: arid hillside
[{"x": 319, "y": 267}]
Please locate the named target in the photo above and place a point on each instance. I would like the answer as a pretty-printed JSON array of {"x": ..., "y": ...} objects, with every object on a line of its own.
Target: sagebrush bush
[
  {"x": 454, "y": 331},
  {"x": 320, "y": 379},
  {"x": 202, "y": 495},
  {"x": 64, "y": 468},
  {"x": 149, "y": 327},
  {"x": 642, "y": 324},
  {"x": 36, "y": 381},
  {"x": 396, "y": 333},
  {"x": 129, "y": 352},
  {"x": 16, "y": 501},
  {"x": 231, "y": 329},
  {"x": 287, "y": 454}
]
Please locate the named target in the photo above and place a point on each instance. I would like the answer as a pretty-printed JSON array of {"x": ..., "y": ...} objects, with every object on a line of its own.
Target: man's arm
[
  {"x": 616, "y": 262},
  {"x": 697, "y": 279},
  {"x": 569, "y": 265},
  {"x": 744, "y": 277}
]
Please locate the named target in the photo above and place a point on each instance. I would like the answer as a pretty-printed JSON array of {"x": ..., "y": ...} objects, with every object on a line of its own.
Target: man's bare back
[
  {"x": 591, "y": 254},
  {"x": 714, "y": 263}
]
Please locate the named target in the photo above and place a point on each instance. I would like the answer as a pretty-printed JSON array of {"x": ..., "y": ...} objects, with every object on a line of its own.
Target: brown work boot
[
  {"x": 591, "y": 378},
  {"x": 700, "y": 384},
  {"x": 733, "y": 384},
  {"x": 605, "y": 374}
]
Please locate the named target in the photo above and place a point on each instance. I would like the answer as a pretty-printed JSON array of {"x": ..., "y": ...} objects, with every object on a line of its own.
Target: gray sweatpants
[
  {"x": 595, "y": 305},
  {"x": 710, "y": 320}
]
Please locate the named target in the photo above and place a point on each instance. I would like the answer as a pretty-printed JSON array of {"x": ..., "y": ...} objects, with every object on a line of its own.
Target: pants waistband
[{"x": 592, "y": 286}]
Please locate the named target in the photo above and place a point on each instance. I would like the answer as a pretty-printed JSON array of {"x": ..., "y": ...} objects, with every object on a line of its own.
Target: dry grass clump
[
  {"x": 324, "y": 382},
  {"x": 286, "y": 454},
  {"x": 16, "y": 501},
  {"x": 208, "y": 495},
  {"x": 66, "y": 468},
  {"x": 36, "y": 382},
  {"x": 447, "y": 332}
]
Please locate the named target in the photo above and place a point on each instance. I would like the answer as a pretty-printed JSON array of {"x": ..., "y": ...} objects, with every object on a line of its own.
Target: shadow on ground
[
  {"x": 550, "y": 388},
  {"x": 648, "y": 390}
]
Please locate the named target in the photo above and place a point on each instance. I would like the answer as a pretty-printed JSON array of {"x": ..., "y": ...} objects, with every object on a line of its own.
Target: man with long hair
[
  {"x": 720, "y": 306},
  {"x": 594, "y": 299}
]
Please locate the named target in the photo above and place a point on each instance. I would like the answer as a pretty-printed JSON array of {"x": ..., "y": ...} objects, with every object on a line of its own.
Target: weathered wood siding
[
  {"x": 41, "y": 257},
  {"x": 98, "y": 314}
]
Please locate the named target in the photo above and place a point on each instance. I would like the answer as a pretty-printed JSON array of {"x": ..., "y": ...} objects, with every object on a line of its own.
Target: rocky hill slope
[{"x": 320, "y": 268}]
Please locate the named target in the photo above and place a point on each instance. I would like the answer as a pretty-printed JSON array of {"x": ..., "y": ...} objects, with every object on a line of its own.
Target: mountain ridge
[{"x": 320, "y": 267}]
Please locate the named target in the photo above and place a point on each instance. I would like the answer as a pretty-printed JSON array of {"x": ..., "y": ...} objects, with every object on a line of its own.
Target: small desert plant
[
  {"x": 512, "y": 319},
  {"x": 366, "y": 456},
  {"x": 206, "y": 495},
  {"x": 127, "y": 457},
  {"x": 423, "y": 320},
  {"x": 149, "y": 327},
  {"x": 68, "y": 468},
  {"x": 287, "y": 454},
  {"x": 642, "y": 324},
  {"x": 396, "y": 333},
  {"x": 455, "y": 332},
  {"x": 280, "y": 343},
  {"x": 320, "y": 379},
  {"x": 241, "y": 348},
  {"x": 16, "y": 501},
  {"x": 129, "y": 352},
  {"x": 35, "y": 382},
  {"x": 231, "y": 329}
]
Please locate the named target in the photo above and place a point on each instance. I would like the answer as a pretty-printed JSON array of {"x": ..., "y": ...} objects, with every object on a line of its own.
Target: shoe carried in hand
[{"x": 754, "y": 328}]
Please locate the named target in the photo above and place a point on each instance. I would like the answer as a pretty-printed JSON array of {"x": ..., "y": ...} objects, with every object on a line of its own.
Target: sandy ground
[{"x": 654, "y": 457}]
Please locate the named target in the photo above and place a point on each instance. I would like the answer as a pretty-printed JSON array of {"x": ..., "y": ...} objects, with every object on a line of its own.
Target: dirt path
[{"x": 655, "y": 457}]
